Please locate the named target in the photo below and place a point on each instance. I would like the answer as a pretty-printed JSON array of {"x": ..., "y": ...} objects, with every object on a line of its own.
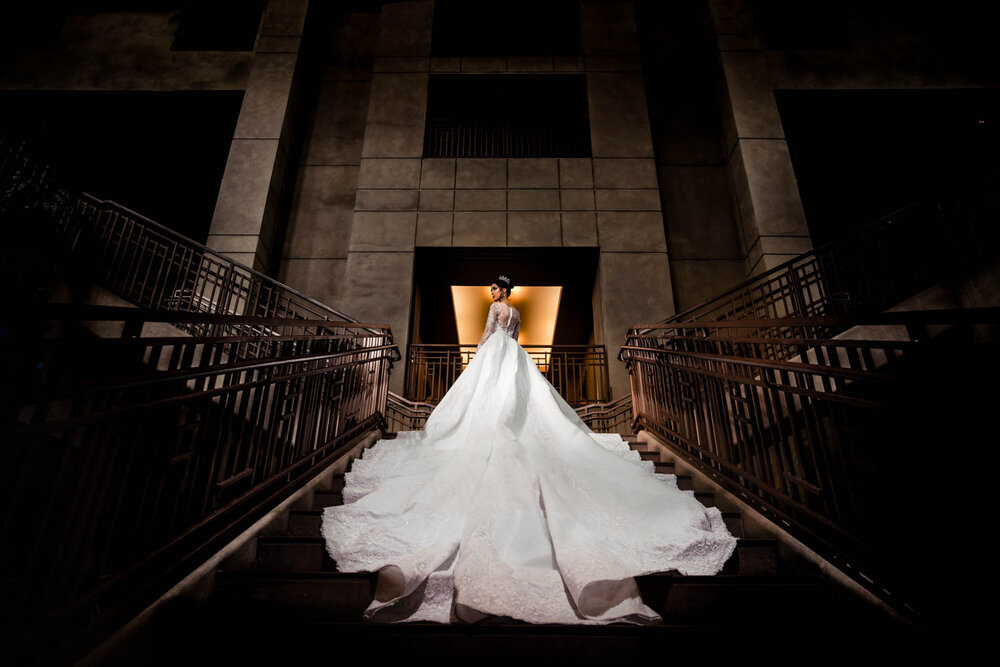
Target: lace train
[{"x": 507, "y": 504}]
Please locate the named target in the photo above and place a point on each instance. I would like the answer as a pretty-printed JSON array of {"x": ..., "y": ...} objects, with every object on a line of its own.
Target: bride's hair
[{"x": 505, "y": 281}]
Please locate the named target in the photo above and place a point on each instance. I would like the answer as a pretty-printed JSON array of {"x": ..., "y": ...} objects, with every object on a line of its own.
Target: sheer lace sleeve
[
  {"x": 517, "y": 328},
  {"x": 491, "y": 323}
]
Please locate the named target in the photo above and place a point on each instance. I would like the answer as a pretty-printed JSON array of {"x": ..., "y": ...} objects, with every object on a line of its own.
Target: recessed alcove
[{"x": 436, "y": 270}]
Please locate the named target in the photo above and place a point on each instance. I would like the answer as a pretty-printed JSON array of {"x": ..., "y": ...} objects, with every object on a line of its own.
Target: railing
[
  {"x": 406, "y": 415},
  {"x": 578, "y": 372},
  {"x": 806, "y": 429},
  {"x": 142, "y": 261},
  {"x": 613, "y": 417},
  {"x": 125, "y": 460},
  {"x": 778, "y": 390}
]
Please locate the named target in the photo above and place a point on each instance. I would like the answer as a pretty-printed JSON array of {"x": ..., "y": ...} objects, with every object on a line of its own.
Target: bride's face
[{"x": 495, "y": 292}]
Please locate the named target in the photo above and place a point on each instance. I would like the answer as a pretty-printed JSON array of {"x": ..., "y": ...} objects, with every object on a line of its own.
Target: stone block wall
[{"x": 404, "y": 201}]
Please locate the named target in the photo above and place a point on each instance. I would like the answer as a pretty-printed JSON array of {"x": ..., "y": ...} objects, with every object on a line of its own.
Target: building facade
[{"x": 641, "y": 158}]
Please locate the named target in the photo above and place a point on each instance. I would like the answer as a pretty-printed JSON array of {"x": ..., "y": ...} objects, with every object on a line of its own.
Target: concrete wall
[
  {"x": 690, "y": 188},
  {"x": 131, "y": 50},
  {"x": 403, "y": 201},
  {"x": 681, "y": 70},
  {"x": 124, "y": 50},
  {"x": 875, "y": 48},
  {"x": 254, "y": 186},
  {"x": 316, "y": 241}
]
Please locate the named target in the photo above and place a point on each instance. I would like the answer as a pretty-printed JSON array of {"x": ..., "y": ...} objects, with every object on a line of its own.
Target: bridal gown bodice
[
  {"x": 502, "y": 317},
  {"x": 507, "y": 504}
]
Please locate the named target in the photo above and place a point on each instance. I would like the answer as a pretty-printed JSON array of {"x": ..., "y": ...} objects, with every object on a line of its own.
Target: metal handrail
[
  {"x": 611, "y": 417},
  {"x": 578, "y": 372},
  {"x": 176, "y": 444},
  {"x": 181, "y": 274},
  {"x": 797, "y": 425},
  {"x": 889, "y": 258}
]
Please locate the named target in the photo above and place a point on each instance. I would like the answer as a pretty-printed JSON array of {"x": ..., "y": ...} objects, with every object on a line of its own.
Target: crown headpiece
[{"x": 505, "y": 279}]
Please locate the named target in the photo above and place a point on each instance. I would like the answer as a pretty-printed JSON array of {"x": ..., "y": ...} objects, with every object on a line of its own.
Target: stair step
[
  {"x": 293, "y": 554},
  {"x": 306, "y": 523},
  {"x": 253, "y": 634},
  {"x": 685, "y": 482},
  {"x": 734, "y": 523},
  {"x": 650, "y": 456},
  {"x": 339, "y": 597},
  {"x": 755, "y": 558},
  {"x": 728, "y": 598},
  {"x": 290, "y": 554},
  {"x": 330, "y": 596},
  {"x": 323, "y": 499},
  {"x": 666, "y": 467},
  {"x": 706, "y": 498}
]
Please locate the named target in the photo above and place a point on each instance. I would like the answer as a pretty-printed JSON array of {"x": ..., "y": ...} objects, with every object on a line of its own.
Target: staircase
[
  {"x": 282, "y": 598},
  {"x": 289, "y": 602}
]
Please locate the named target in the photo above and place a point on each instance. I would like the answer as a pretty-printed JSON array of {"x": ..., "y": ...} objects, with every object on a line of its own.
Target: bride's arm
[{"x": 491, "y": 323}]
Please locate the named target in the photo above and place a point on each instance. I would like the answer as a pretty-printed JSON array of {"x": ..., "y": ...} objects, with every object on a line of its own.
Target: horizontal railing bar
[
  {"x": 938, "y": 316},
  {"x": 795, "y": 366},
  {"x": 819, "y": 251},
  {"x": 87, "y": 313},
  {"x": 174, "y": 236},
  {"x": 185, "y": 374},
  {"x": 787, "y": 340}
]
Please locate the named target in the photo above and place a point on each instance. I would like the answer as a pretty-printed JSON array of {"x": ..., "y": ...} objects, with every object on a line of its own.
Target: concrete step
[
  {"x": 293, "y": 554},
  {"x": 306, "y": 523},
  {"x": 250, "y": 633},
  {"x": 752, "y": 557},
  {"x": 734, "y": 598},
  {"x": 707, "y": 498},
  {"x": 666, "y": 467},
  {"x": 338, "y": 597},
  {"x": 323, "y": 499},
  {"x": 734, "y": 523},
  {"x": 329, "y": 596}
]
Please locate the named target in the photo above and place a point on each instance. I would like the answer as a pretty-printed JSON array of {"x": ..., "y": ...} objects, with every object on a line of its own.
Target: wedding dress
[{"x": 507, "y": 504}]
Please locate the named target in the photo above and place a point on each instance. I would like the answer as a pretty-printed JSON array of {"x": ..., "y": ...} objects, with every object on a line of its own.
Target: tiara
[{"x": 505, "y": 279}]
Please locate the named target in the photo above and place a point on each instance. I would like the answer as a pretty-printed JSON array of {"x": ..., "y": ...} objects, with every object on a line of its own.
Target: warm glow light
[{"x": 538, "y": 305}]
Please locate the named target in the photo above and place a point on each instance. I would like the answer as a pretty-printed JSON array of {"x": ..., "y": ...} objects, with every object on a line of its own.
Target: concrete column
[
  {"x": 772, "y": 222},
  {"x": 383, "y": 229},
  {"x": 634, "y": 272},
  {"x": 315, "y": 249},
  {"x": 244, "y": 222}
]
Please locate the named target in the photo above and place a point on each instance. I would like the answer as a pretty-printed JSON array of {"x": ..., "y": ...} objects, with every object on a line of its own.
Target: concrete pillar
[
  {"x": 317, "y": 239},
  {"x": 772, "y": 222},
  {"x": 243, "y": 225},
  {"x": 383, "y": 229},
  {"x": 634, "y": 271}
]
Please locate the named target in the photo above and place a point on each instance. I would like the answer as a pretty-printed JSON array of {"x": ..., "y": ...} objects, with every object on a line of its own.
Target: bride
[{"x": 507, "y": 504}]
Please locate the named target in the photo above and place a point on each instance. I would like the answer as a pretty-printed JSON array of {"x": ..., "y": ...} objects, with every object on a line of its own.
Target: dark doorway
[
  {"x": 861, "y": 154},
  {"x": 161, "y": 154}
]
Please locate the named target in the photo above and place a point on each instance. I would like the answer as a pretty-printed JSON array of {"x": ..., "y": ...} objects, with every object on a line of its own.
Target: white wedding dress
[{"x": 507, "y": 504}]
